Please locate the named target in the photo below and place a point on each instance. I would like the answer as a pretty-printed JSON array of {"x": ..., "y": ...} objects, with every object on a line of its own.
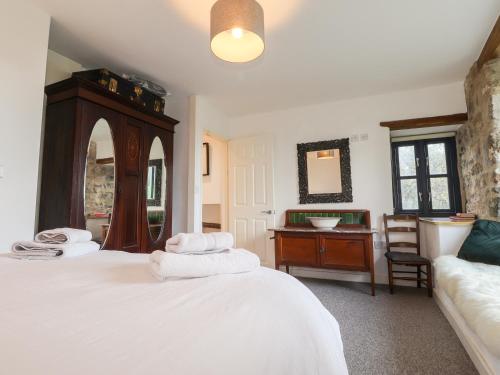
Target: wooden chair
[{"x": 407, "y": 259}]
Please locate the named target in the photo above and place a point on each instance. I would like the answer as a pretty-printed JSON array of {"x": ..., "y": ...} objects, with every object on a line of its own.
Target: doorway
[{"x": 214, "y": 183}]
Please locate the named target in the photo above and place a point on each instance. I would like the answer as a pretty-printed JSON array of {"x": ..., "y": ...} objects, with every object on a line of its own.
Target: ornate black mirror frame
[{"x": 345, "y": 171}]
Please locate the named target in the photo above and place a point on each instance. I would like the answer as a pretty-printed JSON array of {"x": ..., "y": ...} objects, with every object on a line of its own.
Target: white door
[{"x": 251, "y": 195}]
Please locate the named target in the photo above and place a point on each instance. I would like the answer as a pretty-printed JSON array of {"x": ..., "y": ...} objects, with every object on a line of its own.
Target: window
[
  {"x": 153, "y": 187},
  {"x": 425, "y": 177}
]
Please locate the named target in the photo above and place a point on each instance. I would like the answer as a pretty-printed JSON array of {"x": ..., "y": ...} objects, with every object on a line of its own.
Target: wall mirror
[
  {"x": 99, "y": 194},
  {"x": 156, "y": 189},
  {"x": 324, "y": 171}
]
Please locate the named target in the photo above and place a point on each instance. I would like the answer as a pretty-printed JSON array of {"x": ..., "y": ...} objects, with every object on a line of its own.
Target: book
[
  {"x": 462, "y": 219},
  {"x": 466, "y": 215}
]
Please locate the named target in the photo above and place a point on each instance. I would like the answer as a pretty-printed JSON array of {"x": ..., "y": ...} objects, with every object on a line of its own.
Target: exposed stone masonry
[
  {"x": 99, "y": 184},
  {"x": 478, "y": 142}
]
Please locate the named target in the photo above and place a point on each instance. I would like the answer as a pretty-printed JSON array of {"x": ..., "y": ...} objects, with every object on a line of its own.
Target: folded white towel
[
  {"x": 63, "y": 235},
  {"x": 37, "y": 250},
  {"x": 193, "y": 243},
  {"x": 167, "y": 264}
]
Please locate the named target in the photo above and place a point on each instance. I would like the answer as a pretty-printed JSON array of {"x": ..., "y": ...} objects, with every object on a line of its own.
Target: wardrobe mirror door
[
  {"x": 99, "y": 194},
  {"x": 156, "y": 188}
]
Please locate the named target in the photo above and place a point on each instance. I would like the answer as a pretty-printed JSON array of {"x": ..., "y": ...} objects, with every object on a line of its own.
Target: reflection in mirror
[
  {"x": 99, "y": 182},
  {"x": 323, "y": 172},
  {"x": 156, "y": 189}
]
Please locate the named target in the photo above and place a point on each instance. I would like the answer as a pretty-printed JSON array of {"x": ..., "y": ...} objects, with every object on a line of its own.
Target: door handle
[{"x": 267, "y": 212}]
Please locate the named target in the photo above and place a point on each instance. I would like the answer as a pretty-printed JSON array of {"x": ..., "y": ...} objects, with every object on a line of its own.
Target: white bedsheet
[
  {"x": 474, "y": 288},
  {"x": 105, "y": 314}
]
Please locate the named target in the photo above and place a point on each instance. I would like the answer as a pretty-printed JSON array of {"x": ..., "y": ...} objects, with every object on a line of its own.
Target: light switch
[
  {"x": 2, "y": 171},
  {"x": 354, "y": 138},
  {"x": 364, "y": 137}
]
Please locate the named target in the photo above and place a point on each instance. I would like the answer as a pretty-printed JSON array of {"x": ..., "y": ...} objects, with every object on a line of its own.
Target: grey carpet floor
[{"x": 399, "y": 334}]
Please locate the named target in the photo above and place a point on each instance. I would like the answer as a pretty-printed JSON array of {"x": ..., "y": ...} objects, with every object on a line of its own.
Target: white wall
[
  {"x": 370, "y": 160},
  {"x": 24, "y": 34},
  {"x": 177, "y": 106},
  {"x": 60, "y": 67}
]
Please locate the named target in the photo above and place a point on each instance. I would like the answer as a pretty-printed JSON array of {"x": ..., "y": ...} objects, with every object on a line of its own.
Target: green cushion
[{"x": 483, "y": 243}]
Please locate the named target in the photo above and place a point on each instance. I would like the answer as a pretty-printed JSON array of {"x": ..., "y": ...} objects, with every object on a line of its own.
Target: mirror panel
[
  {"x": 99, "y": 194},
  {"x": 156, "y": 189},
  {"x": 323, "y": 172}
]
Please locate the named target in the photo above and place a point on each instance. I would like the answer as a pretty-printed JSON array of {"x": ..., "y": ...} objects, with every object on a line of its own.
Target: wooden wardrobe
[{"x": 73, "y": 108}]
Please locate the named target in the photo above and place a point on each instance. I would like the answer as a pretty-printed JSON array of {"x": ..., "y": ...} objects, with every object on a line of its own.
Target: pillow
[{"x": 483, "y": 243}]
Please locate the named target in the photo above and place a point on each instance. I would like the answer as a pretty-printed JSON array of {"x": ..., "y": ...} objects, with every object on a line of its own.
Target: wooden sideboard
[{"x": 349, "y": 246}]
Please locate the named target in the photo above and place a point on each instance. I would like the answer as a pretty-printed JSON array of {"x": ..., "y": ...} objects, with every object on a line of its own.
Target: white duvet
[
  {"x": 105, "y": 314},
  {"x": 474, "y": 288}
]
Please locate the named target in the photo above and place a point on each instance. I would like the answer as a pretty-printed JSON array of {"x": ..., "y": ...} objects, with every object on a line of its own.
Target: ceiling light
[
  {"x": 237, "y": 30},
  {"x": 325, "y": 154}
]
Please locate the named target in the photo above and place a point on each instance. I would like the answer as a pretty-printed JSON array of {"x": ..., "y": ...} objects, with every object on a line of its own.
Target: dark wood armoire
[{"x": 73, "y": 108}]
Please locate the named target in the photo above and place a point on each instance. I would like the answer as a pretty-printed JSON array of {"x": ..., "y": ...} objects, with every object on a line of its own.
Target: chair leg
[
  {"x": 429, "y": 280},
  {"x": 419, "y": 285},
  {"x": 287, "y": 269},
  {"x": 389, "y": 269}
]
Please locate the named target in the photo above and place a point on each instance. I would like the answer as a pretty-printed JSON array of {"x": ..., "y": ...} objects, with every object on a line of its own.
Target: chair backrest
[{"x": 401, "y": 229}]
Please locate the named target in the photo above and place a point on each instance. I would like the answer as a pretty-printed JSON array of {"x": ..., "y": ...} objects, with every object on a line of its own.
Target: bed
[
  {"x": 104, "y": 313},
  {"x": 469, "y": 295}
]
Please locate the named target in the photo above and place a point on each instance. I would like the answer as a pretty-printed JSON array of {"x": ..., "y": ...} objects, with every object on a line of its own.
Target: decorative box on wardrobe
[{"x": 119, "y": 204}]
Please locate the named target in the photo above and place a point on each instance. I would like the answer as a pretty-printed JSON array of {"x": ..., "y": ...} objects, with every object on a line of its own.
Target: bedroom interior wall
[
  {"x": 478, "y": 142},
  {"x": 177, "y": 106},
  {"x": 22, "y": 73},
  {"x": 370, "y": 159},
  {"x": 60, "y": 67}
]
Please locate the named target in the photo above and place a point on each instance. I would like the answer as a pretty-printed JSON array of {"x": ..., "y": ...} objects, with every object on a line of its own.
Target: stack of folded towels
[
  {"x": 200, "y": 255},
  {"x": 55, "y": 243}
]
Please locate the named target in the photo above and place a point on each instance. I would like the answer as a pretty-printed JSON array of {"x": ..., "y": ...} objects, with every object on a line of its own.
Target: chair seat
[{"x": 402, "y": 257}]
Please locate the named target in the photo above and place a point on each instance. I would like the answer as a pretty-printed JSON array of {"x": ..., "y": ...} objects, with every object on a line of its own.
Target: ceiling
[{"x": 316, "y": 50}]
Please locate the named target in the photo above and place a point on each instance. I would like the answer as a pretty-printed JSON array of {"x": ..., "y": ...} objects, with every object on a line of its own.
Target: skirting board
[
  {"x": 485, "y": 362},
  {"x": 358, "y": 277}
]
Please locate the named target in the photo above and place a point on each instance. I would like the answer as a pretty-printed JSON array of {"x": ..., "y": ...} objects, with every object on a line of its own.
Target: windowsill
[{"x": 445, "y": 221}]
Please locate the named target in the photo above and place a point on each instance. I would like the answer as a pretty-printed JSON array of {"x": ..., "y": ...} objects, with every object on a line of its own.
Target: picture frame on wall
[{"x": 205, "y": 159}]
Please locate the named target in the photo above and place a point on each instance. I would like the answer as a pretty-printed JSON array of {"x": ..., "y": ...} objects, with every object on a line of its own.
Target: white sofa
[{"x": 468, "y": 294}]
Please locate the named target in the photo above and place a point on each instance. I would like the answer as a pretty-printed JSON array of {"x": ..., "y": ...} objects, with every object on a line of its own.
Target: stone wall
[
  {"x": 478, "y": 142},
  {"x": 99, "y": 184}
]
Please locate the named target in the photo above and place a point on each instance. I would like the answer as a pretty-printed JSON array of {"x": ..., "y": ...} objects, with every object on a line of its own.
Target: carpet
[{"x": 399, "y": 334}]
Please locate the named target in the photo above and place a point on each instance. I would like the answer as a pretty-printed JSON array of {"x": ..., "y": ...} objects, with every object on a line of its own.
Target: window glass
[
  {"x": 425, "y": 178},
  {"x": 439, "y": 193},
  {"x": 150, "y": 190},
  {"x": 437, "y": 158},
  {"x": 407, "y": 161},
  {"x": 409, "y": 194}
]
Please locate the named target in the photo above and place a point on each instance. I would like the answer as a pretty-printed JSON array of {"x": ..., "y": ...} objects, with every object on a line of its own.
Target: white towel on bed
[
  {"x": 166, "y": 264},
  {"x": 194, "y": 243},
  {"x": 38, "y": 250},
  {"x": 63, "y": 236}
]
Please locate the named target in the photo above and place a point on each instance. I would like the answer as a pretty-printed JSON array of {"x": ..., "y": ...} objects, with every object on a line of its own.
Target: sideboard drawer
[
  {"x": 346, "y": 253},
  {"x": 299, "y": 249}
]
